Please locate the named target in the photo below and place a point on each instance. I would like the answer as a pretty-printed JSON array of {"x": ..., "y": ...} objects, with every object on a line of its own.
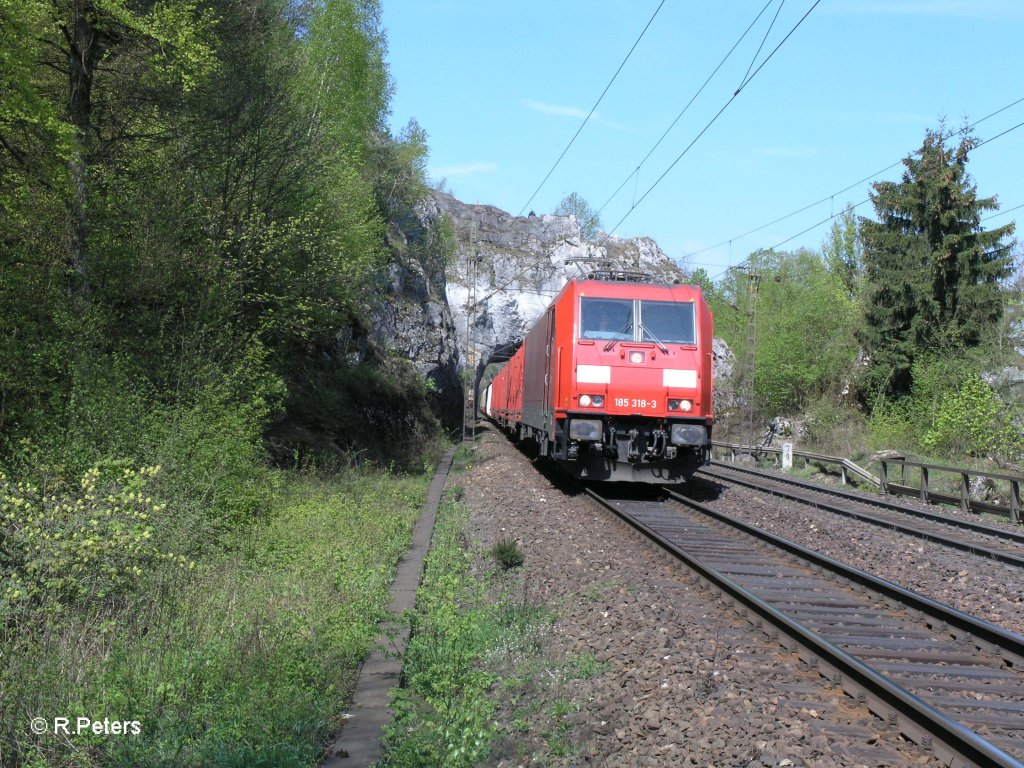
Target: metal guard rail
[
  {"x": 922, "y": 492},
  {"x": 846, "y": 467},
  {"x": 964, "y": 500}
]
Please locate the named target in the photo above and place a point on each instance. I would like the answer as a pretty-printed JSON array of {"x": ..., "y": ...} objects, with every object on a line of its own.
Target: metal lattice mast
[
  {"x": 747, "y": 390},
  {"x": 469, "y": 377}
]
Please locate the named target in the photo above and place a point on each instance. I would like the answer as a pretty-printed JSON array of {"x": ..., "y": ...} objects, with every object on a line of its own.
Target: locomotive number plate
[{"x": 626, "y": 402}]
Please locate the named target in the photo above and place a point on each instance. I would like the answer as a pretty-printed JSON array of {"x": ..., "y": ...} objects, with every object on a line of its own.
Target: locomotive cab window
[
  {"x": 667, "y": 322},
  {"x": 606, "y": 319}
]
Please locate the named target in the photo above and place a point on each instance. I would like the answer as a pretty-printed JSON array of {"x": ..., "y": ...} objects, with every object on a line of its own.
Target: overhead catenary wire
[
  {"x": 1003, "y": 212},
  {"x": 980, "y": 144},
  {"x": 567, "y": 147},
  {"x": 889, "y": 167},
  {"x": 592, "y": 109},
  {"x": 713, "y": 119},
  {"x": 761, "y": 46},
  {"x": 635, "y": 173},
  {"x": 743, "y": 84}
]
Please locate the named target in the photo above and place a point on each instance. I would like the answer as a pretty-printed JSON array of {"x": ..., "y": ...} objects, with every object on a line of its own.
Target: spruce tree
[{"x": 931, "y": 272}]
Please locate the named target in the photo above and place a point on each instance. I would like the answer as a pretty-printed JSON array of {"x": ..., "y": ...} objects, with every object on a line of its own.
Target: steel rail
[
  {"x": 966, "y": 546},
  {"x": 877, "y": 501},
  {"x": 951, "y": 740}
]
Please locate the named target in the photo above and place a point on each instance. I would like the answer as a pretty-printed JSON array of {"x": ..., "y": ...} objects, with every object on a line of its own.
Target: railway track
[
  {"x": 950, "y": 682},
  {"x": 999, "y": 544}
]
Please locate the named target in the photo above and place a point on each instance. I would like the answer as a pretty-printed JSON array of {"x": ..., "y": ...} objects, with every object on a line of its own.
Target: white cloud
[
  {"x": 580, "y": 114},
  {"x": 556, "y": 109},
  {"x": 463, "y": 170}
]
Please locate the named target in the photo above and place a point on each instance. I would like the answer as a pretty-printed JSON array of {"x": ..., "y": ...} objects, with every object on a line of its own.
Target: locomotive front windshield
[
  {"x": 668, "y": 322},
  {"x": 606, "y": 319},
  {"x": 661, "y": 322}
]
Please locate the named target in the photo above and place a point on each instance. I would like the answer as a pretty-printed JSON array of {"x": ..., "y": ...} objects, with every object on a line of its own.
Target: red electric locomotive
[{"x": 614, "y": 381}]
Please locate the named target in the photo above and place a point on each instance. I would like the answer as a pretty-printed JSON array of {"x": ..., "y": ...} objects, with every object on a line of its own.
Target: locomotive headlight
[
  {"x": 598, "y": 401},
  {"x": 688, "y": 434},
  {"x": 636, "y": 357},
  {"x": 585, "y": 429},
  {"x": 680, "y": 405},
  {"x": 584, "y": 400}
]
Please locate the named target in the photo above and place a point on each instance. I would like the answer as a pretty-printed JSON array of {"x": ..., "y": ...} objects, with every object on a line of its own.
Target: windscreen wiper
[
  {"x": 654, "y": 338},
  {"x": 626, "y": 327}
]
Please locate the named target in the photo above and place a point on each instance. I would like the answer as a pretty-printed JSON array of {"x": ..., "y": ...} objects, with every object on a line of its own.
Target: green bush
[
  {"x": 66, "y": 548},
  {"x": 215, "y": 477},
  {"x": 507, "y": 554},
  {"x": 834, "y": 428},
  {"x": 239, "y": 662},
  {"x": 951, "y": 413},
  {"x": 973, "y": 420}
]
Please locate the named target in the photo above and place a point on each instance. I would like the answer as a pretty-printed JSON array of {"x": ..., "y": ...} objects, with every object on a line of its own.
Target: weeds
[
  {"x": 586, "y": 667},
  {"x": 464, "y": 636},
  {"x": 241, "y": 661},
  {"x": 507, "y": 554}
]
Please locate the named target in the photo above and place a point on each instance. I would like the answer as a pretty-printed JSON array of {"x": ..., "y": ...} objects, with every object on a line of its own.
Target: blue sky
[{"x": 500, "y": 89}]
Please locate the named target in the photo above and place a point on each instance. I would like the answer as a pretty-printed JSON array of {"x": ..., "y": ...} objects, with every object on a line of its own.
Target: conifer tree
[{"x": 931, "y": 272}]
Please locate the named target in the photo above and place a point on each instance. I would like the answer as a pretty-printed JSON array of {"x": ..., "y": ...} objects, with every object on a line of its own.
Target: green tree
[
  {"x": 843, "y": 251},
  {"x": 805, "y": 322},
  {"x": 931, "y": 272},
  {"x": 574, "y": 205}
]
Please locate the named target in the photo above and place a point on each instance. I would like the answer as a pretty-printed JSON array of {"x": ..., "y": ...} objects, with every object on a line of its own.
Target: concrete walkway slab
[{"x": 359, "y": 743}]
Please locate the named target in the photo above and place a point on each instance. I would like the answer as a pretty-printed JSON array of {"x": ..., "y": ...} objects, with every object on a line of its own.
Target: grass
[
  {"x": 507, "y": 554},
  {"x": 245, "y": 661},
  {"x": 473, "y": 628}
]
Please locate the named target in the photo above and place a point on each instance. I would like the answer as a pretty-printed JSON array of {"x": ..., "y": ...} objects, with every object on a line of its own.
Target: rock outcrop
[
  {"x": 510, "y": 268},
  {"x": 521, "y": 262},
  {"x": 411, "y": 317}
]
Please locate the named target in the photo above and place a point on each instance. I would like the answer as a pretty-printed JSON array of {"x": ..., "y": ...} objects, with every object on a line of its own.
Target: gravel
[
  {"x": 987, "y": 589},
  {"x": 643, "y": 665}
]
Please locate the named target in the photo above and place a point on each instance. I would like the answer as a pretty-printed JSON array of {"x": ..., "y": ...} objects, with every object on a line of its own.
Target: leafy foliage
[
  {"x": 445, "y": 716},
  {"x": 236, "y": 662},
  {"x": 972, "y": 420},
  {"x": 931, "y": 272},
  {"x": 192, "y": 229},
  {"x": 805, "y": 321},
  {"x": 461, "y": 633},
  {"x": 67, "y": 548},
  {"x": 843, "y": 251},
  {"x": 588, "y": 219}
]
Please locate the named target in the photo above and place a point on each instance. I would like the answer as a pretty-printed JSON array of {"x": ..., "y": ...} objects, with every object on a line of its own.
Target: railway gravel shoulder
[
  {"x": 989, "y": 590},
  {"x": 685, "y": 681}
]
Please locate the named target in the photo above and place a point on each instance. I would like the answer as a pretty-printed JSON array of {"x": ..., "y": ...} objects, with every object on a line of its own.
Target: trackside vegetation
[
  {"x": 208, "y": 467},
  {"x": 240, "y": 660},
  {"x": 904, "y": 331},
  {"x": 472, "y": 629}
]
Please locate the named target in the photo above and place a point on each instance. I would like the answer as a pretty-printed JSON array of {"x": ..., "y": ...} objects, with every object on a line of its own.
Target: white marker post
[{"x": 787, "y": 455}]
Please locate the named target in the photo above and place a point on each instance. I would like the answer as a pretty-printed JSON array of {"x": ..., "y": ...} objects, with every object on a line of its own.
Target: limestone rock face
[
  {"x": 410, "y": 317},
  {"x": 521, "y": 264},
  {"x": 724, "y": 362}
]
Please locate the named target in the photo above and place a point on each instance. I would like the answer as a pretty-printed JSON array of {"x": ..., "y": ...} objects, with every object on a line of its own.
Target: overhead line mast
[
  {"x": 469, "y": 406},
  {"x": 749, "y": 356}
]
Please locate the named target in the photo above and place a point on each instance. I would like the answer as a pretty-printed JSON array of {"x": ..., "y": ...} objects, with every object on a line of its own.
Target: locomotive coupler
[
  {"x": 632, "y": 451},
  {"x": 660, "y": 443},
  {"x": 611, "y": 447}
]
